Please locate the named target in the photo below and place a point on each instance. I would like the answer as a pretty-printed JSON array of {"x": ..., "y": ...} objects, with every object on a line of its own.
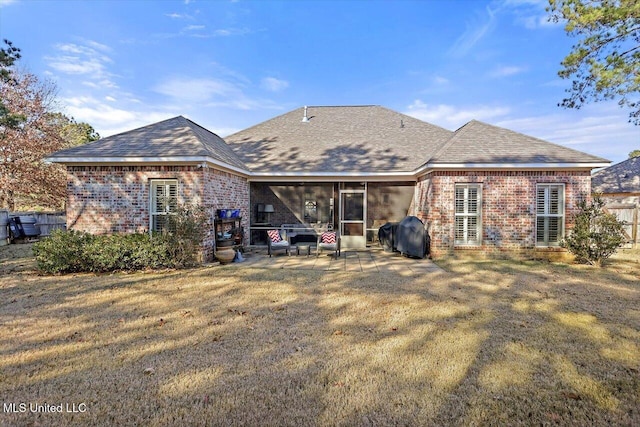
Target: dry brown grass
[{"x": 487, "y": 343}]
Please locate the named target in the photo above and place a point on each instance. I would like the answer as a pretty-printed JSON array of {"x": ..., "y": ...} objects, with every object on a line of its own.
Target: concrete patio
[{"x": 370, "y": 260}]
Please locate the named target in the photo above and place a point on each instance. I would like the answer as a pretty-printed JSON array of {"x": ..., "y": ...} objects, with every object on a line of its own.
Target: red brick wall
[
  {"x": 115, "y": 199},
  {"x": 508, "y": 205},
  {"x": 223, "y": 190}
]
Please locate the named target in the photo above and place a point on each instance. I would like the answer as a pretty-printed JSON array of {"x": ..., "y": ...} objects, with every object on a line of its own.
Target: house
[
  {"x": 619, "y": 186},
  {"x": 353, "y": 167}
]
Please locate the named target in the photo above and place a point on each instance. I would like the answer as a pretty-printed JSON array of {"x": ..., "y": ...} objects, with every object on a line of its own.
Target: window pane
[
  {"x": 555, "y": 231},
  {"x": 554, "y": 200},
  {"x": 353, "y": 229},
  {"x": 540, "y": 200},
  {"x": 460, "y": 200},
  {"x": 472, "y": 229},
  {"x": 159, "y": 222},
  {"x": 459, "y": 228},
  {"x": 472, "y": 202},
  {"x": 353, "y": 206},
  {"x": 540, "y": 227}
]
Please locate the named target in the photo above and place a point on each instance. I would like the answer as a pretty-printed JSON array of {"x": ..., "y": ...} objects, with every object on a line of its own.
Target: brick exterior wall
[
  {"x": 223, "y": 190},
  {"x": 115, "y": 199},
  {"x": 508, "y": 205}
]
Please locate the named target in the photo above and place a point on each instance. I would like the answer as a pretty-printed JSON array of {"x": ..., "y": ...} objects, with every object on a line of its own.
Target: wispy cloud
[
  {"x": 530, "y": 14},
  {"x": 211, "y": 92},
  {"x": 537, "y": 21},
  {"x": 89, "y": 59},
  {"x": 198, "y": 90},
  {"x": 506, "y": 71},
  {"x": 108, "y": 119},
  {"x": 475, "y": 31},
  {"x": 4, "y": 3},
  {"x": 273, "y": 84},
  {"x": 452, "y": 117},
  {"x": 196, "y": 32},
  {"x": 441, "y": 81}
]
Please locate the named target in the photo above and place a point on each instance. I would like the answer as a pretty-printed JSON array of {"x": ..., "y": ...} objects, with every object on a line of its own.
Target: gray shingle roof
[
  {"x": 351, "y": 139},
  {"x": 176, "y": 137},
  {"x": 623, "y": 177},
  {"x": 478, "y": 142},
  {"x": 338, "y": 139}
]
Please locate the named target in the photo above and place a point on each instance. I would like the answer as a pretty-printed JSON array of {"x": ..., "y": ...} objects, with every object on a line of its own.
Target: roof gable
[
  {"x": 338, "y": 140},
  {"x": 478, "y": 142},
  {"x": 623, "y": 177},
  {"x": 176, "y": 137}
]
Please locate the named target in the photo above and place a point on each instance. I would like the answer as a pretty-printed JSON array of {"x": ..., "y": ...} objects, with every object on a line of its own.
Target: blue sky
[{"x": 228, "y": 65}]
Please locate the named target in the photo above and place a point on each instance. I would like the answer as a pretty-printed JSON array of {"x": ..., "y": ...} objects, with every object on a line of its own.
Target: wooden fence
[
  {"x": 4, "y": 230},
  {"x": 47, "y": 221},
  {"x": 629, "y": 215}
]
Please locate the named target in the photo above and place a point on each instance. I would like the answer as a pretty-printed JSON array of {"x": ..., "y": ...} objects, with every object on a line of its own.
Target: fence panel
[
  {"x": 628, "y": 214},
  {"x": 49, "y": 221},
  {"x": 4, "y": 229}
]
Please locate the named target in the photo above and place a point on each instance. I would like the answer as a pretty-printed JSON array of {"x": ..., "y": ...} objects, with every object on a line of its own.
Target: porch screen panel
[
  {"x": 467, "y": 214},
  {"x": 549, "y": 214},
  {"x": 164, "y": 201}
]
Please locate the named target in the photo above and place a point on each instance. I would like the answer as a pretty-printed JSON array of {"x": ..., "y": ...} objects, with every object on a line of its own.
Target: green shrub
[
  {"x": 184, "y": 232},
  {"x": 596, "y": 235},
  {"x": 177, "y": 246},
  {"x": 73, "y": 251},
  {"x": 62, "y": 252}
]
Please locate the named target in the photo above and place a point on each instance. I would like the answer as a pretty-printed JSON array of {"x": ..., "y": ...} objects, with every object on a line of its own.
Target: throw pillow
[
  {"x": 328, "y": 237},
  {"x": 274, "y": 235}
]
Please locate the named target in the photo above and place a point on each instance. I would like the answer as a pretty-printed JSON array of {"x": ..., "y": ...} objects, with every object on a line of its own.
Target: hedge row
[{"x": 73, "y": 251}]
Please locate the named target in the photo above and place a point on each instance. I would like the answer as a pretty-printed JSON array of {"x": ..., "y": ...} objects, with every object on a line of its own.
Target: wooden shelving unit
[{"x": 225, "y": 225}]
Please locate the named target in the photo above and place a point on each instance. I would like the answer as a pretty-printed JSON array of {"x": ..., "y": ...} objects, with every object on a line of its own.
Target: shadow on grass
[{"x": 489, "y": 343}]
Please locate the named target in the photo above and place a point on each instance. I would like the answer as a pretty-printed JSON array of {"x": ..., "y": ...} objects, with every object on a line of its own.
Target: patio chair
[
  {"x": 329, "y": 240},
  {"x": 275, "y": 242}
]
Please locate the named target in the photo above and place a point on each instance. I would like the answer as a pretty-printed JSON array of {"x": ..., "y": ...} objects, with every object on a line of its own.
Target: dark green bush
[
  {"x": 62, "y": 252},
  {"x": 177, "y": 246},
  {"x": 73, "y": 251}
]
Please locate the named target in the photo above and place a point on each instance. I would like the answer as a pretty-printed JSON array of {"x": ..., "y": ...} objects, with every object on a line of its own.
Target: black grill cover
[
  {"x": 387, "y": 236},
  {"x": 412, "y": 238},
  {"x": 15, "y": 228}
]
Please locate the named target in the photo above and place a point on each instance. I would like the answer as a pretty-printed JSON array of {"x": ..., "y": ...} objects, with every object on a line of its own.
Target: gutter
[{"x": 321, "y": 175}]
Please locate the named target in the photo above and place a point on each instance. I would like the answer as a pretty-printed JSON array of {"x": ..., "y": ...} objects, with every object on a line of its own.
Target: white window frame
[
  {"x": 169, "y": 205},
  {"x": 545, "y": 211},
  {"x": 468, "y": 213}
]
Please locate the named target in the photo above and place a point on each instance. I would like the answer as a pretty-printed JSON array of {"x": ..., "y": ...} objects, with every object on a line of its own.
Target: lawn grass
[{"x": 485, "y": 343}]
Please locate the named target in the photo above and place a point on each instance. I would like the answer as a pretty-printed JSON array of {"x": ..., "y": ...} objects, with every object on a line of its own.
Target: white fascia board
[
  {"x": 508, "y": 166},
  {"x": 331, "y": 176},
  {"x": 77, "y": 161}
]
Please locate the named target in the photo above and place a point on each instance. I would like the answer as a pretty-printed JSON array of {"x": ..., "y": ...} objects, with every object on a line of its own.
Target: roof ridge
[
  {"x": 205, "y": 144},
  {"x": 201, "y": 127},
  {"x": 448, "y": 143}
]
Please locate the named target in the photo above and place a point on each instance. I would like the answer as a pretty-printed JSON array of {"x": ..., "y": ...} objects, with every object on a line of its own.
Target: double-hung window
[
  {"x": 549, "y": 214},
  {"x": 468, "y": 224},
  {"x": 164, "y": 201}
]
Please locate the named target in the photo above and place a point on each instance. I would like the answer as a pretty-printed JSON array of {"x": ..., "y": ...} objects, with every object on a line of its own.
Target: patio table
[{"x": 304, "y": 247}]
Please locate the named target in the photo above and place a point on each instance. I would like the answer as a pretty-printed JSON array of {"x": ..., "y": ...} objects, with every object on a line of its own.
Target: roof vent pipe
[{"x": 305, "y": 119}]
